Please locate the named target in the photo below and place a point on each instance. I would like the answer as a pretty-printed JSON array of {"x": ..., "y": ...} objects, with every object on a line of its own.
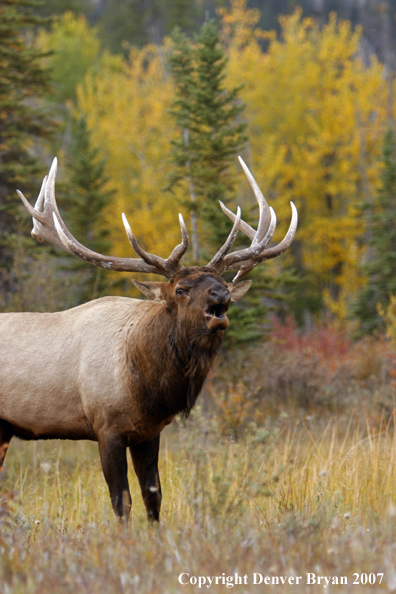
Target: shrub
[{"x": 303, "y": 372}]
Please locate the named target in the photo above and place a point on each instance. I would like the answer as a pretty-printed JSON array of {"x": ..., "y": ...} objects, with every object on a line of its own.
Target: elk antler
[
  {"x": 245, "y": 260},
  {"x": 48, "y": 225}
]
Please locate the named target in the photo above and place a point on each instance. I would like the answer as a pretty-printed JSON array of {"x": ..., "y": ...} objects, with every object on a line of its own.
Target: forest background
[
  {"x": 316, "y": 100},
  {"x": 287, "y": 463}
]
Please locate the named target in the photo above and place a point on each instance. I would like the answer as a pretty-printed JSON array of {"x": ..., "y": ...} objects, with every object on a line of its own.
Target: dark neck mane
[
  {"x": 168, "y": 368},
  {"x": 194, "y": 355}
]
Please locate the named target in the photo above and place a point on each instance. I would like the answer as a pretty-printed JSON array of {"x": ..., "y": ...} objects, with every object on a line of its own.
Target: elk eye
[{"x": 180, "y": 292}]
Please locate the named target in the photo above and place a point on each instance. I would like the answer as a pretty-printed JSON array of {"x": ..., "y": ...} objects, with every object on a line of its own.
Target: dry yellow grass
[{"x": 295, "y": 497}]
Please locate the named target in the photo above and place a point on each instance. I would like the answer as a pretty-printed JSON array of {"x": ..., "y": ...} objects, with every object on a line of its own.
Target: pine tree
[
  {"x": 85, "y": 205},
  {"x": 206, "y": 114},
  {"x": 22, "y": 119},
  {"x": 210, "y": 135},
  {"x": 381, "y": 266}
]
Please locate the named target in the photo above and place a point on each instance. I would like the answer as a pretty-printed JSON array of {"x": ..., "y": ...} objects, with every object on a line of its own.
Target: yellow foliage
[
  {"x": 127, "y": 114},
  {"x": 316, "y": 117},
  {"x": 239, "y": 24},
  {"x": 389, "y": 317}
]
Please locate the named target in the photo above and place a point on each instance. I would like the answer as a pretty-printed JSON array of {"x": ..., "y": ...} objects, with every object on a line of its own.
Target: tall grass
[
  {"x": 250, "y": 485},
  {"x": 283, "y": 501}
]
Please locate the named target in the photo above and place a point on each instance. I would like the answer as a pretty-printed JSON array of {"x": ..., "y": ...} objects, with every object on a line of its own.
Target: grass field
[{"x": 292, "y": 492}]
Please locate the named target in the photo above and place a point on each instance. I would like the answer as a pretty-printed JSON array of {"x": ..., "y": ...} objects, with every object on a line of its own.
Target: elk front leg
[
  {"x": 6, "y": 435},
  {"x": 145, "y": 462},
  {"x": 115, "y": 469}
]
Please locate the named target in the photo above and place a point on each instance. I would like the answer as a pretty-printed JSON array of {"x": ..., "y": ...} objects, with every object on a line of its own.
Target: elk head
[{"x": 199, "y": 295}]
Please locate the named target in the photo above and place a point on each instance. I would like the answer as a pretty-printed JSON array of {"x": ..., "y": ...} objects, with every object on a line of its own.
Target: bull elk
[{"x": 117, "y": 370}]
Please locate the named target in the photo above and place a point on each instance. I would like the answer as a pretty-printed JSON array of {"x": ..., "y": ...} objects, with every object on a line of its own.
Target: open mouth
[{"x": 217, "y": 311}]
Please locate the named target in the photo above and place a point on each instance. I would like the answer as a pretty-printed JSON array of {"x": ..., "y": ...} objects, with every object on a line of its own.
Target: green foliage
[
  {"x": 250, "y": 317},
  {"x": 59, "y": 7},
  {"x": 23, "y": 120},
  {"x": 137, "y": 22},
  {"x": 381, "y": 239},
  {"x": 88, "y": 199},
  {"x": 35, "y": 281},
  {"x": 22, "y": 79},
  {"x": 210, "y": 135},
  {"x": 315, "y": 113},
  {"x": 181, "y": 13},
  {"x": 73, "y": 49},
  {"x": 125, "y": 22}
]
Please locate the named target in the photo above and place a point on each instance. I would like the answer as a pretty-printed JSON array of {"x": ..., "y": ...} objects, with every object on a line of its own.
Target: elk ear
[
  {"x": 238, "y": 290},
  {"x": 151, "y": 290}
]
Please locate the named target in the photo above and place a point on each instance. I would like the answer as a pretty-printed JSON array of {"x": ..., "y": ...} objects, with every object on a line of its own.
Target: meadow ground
[{"x": 286, "y": 470}]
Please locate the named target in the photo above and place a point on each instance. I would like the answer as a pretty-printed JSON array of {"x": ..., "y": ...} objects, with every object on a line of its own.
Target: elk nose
[{"x": 220, "y": 294}]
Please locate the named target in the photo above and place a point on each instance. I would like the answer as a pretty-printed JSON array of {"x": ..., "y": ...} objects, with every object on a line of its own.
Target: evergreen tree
[
  {"x": 210, "y": 136},
  {"x": 22, "y": 119},
  {"x": 206, "y": 114},
  {"x": 85, "y": 205},
  {"x": 381, "y": 266}
]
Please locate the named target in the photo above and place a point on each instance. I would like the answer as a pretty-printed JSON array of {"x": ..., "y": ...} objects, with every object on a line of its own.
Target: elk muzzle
[{"x": 216, "y": 312}]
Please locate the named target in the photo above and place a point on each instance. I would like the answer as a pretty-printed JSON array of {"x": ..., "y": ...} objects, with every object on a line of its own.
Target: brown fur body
[
  {"x": 118, "y": 370},
  {"x": 115, "y": 370}
]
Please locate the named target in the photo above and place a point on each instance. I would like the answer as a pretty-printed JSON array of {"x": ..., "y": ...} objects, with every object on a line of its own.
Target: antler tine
[
  {"x": 246, "y": 259},
  {"x": 286, "y": 242},
  {"x": 48, "y": 201},
  {"x": 253, "y": 250},
  {"x": 49, "y": 195},
  {"x": 179, "y": 250},
  {"x": 229, "y": 242},
  {"x": 48, "y": 225},
  {"x": 40, "y": 198},
  {"x": 43, "y": 226},
  {"x": 146, "y": 257},
  {"x": 270, "y": 253},
  {"x": 265, "y": 217},
  {"x": 229, "y": 260},
  {"x": 171, "y": 264},
  {"x": 244, "y": 227},
  {"x": 35, "y": 212}
]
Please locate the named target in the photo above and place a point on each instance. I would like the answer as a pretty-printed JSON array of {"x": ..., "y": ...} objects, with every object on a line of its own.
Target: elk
[{"x": 117, "y": 370}]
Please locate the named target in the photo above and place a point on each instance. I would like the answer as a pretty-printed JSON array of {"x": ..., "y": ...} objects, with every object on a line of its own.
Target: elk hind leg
[
  {"x": 145, "y": 462},
  {"x": 115, "y": 469},
  {"x": 6, "y": 434}
]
